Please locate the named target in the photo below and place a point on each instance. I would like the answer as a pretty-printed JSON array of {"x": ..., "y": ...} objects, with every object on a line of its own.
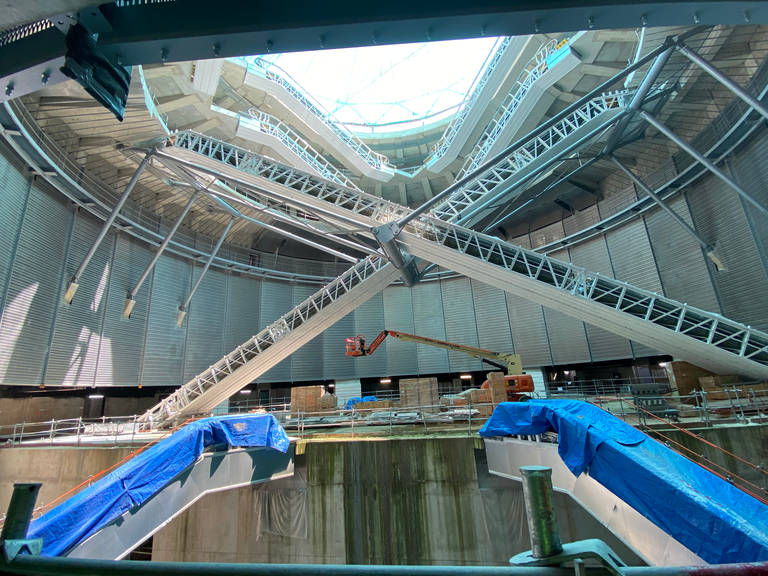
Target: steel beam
[
  {"x": 709, "y": 250},
  {"x": 183, "y": 307},
  {"x": 73, "y": 285},
  {"x": 130, "y": 302},
  {"x": 702, "y": 160},
  {"x": 697, "y": 59},
  {"x": 638, "y": 99}
]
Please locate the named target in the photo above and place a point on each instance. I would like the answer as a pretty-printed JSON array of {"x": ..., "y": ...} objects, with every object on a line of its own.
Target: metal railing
[
  {"x": 153, "y": 106},
  {"x": 107, "y": 430},
  {"x": 265, "y": 70},
  {"x": 268, "y": 124},
  {"x": 535, "y": 69},
  {"x": 442, "y": 145}
]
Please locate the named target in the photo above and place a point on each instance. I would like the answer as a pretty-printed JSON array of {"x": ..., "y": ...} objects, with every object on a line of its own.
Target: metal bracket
[
  {"x": 12, "y": 548},
  {"x": 580, "y": 550}
]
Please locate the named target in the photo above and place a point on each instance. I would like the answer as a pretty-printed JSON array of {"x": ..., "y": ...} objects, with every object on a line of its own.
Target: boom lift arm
[{"x": 510, "y": 363}]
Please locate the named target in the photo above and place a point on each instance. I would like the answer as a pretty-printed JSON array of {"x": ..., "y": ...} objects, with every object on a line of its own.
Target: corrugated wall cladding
[
  {"x": 276, "y": 300},
  {"x": 460, "y": 322},
  {"x": 567, "y": 338},
  {"x": 679, "y": 259},
  {"x": 493, "y": 329},
  {"x": 33, "y": 288},
  {"x": 77, "y": 336},
  {"x": 603, "y": 345},
  {"x": 633, "y": 262},
  {"x": 336, "y": 364},
  {"x": 165, "y": 342},
  {"x": 751, "y": 170},
  {"x": 429, "y": 322},
  {"x": 243, "y": 310},
  {"x": 719, "y": 214},
  {"x": 308, "y": 362},
  {"x": 369, "y": 322},
  {"x": 15, "y": 191},
  {"x": 122, "y": 342},
  {"x": 529, "y": 331},
  {"x": 398, "y": 315},
  {"x": 205, "y": 322}
]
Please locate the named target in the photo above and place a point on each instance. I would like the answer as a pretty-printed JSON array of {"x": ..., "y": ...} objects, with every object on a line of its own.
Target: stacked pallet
[
  {"x": 498, "y": 387},
  {"x": 311, "y": 399},
  {"x": 684, "y": 377},
  {"x": 724, "y": 387},
  {"x": 415, "y": 392},
  {"x": 375, "y": 405}
]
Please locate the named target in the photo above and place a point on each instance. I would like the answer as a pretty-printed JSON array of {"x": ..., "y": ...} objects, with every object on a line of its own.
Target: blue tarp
[
  {"x": 356, "y": 400},
  {"x": 711, "y": 517},
  {"x": 73, "y": 521}
]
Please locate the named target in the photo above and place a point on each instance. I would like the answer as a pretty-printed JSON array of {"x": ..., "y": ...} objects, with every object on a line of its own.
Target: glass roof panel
[{"x": 380, "y": 85}]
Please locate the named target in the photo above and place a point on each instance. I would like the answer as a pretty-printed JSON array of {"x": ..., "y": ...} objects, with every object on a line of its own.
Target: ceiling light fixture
[
  {"x": 466, "y": 376},
  {"x": 95, "y": 396},
  {"x": 245, "y": 391},
  {"x": 385, "y": 381}
]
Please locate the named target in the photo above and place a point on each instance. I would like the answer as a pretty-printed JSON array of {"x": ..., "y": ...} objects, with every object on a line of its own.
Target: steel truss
[
  {"x": 494, "y": 179},
  {"x": 214, "y": 375},
  {"x": 571, "y": 281}
]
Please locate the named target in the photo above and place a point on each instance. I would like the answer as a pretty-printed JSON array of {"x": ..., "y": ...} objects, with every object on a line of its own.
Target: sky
[{"x": 385, "y": 84}]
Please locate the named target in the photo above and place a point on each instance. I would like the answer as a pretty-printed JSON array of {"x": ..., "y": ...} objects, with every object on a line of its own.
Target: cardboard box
[
  {"x": 498, "y": 387},
  {"x": 307, "y": 399},
  {"x": 684, "y": 377},
  {"x": 420, "y": 392}
]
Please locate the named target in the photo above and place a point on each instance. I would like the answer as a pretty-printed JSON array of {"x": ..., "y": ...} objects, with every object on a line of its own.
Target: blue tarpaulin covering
[
  {"x": 708, "y": 515},
  {"x": 73, "y": 521},
  {"x": 356, "y": 400}
]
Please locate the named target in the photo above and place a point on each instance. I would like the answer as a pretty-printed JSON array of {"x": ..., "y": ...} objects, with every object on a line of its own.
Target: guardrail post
[
  {"x": 20, "y": 511},
  {"x": 708, "y": 422},
  {"x": 540, "y": 511}
]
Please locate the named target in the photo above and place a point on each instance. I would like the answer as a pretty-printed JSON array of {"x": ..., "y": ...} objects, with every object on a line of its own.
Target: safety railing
[
  {"x": 153, "y": 106},
  {"x": 488, "y": 180},
  {"x": 266, "y": 70},
  {"x": 268, "y": 124},
  {"x": 442, "y": 145},
  {"x": 269, "y": 336},
  {"x": 107, "y": 430},
  {"x": 535, "y": 69}
]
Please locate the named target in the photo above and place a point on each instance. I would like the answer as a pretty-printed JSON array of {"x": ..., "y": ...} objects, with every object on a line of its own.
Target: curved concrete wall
[{"x": 43, "y": 239}]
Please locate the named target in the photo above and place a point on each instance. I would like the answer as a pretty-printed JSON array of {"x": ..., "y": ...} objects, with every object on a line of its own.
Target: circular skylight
[{"x": 389, "y": 85}]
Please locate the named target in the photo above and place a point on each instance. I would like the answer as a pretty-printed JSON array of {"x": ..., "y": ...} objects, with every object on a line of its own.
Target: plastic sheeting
[
  {"x": 711, "y": 517},
  {"x": 73, "y": 521}
]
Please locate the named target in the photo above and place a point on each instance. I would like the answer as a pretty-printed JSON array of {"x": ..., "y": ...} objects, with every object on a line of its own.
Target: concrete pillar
[
  {"x": 377, "y": 190},
  {"x": 403, "y": 195},
  {"x": 427, "y": 188}
]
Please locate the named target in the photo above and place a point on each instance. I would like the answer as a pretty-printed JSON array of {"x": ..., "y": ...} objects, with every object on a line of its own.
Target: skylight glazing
[{"x": 389, "y": 86}]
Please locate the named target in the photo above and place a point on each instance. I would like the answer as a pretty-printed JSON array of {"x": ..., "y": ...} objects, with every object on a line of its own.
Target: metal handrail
[
  {"x": 537, "y": 66},
  {"x": 372, "y": 158},
  {"x": 268, "y": 124},
  {"x": 442, "y": 145}
]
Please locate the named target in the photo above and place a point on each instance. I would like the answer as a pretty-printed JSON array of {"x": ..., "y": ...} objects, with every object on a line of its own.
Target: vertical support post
[
  {"x": 72, "y": 286},
  {"x": 701, "y": 159},
  {"x": 129, "y": 303},
  {"x": 183, "y": 307},
  {"x": 20, "y": 511},
  {"x": 709, "y": 250},
  {"x": 540, "y": 510}
]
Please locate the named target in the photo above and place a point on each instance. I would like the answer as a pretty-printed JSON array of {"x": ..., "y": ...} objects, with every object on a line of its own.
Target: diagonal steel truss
[
  {"x": 268, "y": 337},
  {"x": 572, "y": 281}
]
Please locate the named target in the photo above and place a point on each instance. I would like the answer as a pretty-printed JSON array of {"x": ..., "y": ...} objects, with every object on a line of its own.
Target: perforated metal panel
[
  {"x": 337, "y": 364},
  {"x": 205, "y": 322},
  {"x": 460, "y": 322},
  {"x": 164, "y": 348},
  {"x": 369, "y": 321},
  {"x": 122, "y": 343},
  {"x": 528, "y": 331},
  {"x": 633, "y": 262},
  {"x": 308, "y": 361},
  {"x": 276, "y": 300},
  {"x": 243, "y": 310},
  {"x": 493, "y": 330},
  {"x": 33, "y": 288},
  {"x": 603, "y": 345},
  {"x": 719, "y": 216},
  {"x": 679, "y": 259},
  {"x": 77, "y": 334},
  {"x": 398, "y": 315},
  {"x": 428, "y": 321},
  {"x": 567, "y": 338}
]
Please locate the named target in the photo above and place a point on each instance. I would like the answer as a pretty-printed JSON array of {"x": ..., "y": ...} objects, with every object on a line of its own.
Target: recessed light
[
  {"x": 466, "y": 376},
  {"x": 385, "y": 381}
]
